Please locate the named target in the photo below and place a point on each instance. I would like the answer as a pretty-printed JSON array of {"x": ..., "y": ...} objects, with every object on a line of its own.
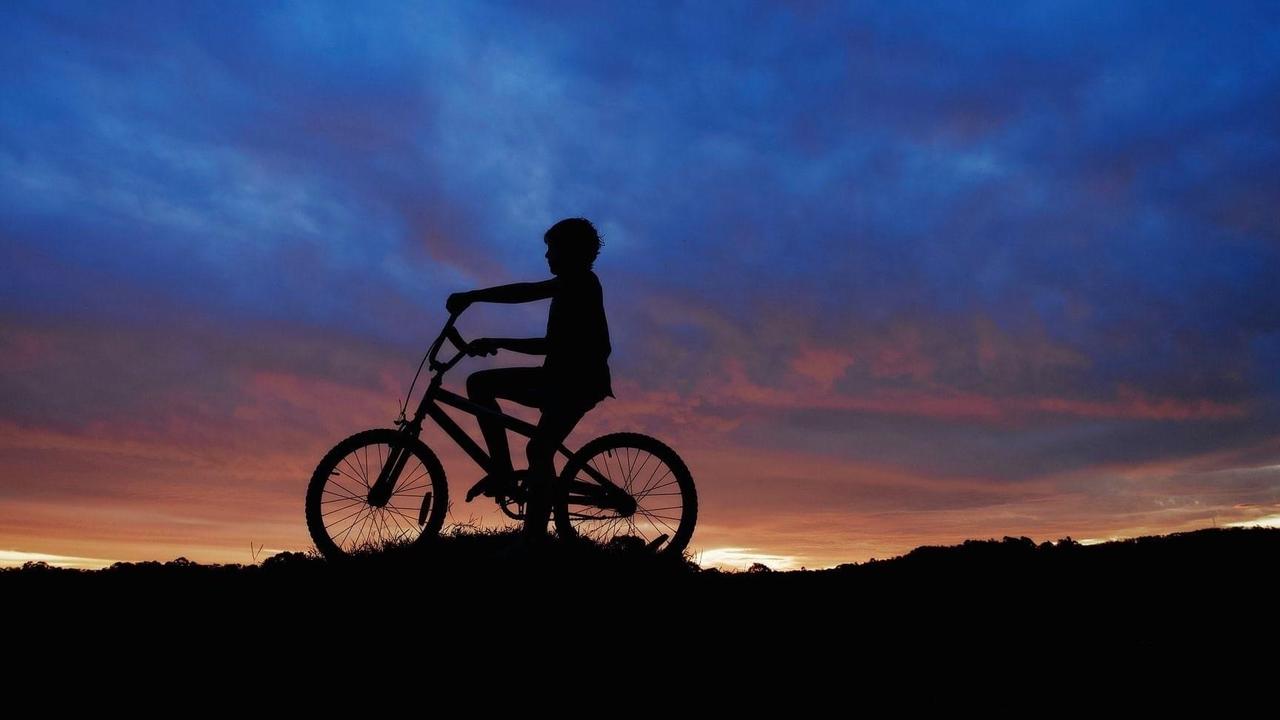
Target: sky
[{"x": 884, "y": 274}]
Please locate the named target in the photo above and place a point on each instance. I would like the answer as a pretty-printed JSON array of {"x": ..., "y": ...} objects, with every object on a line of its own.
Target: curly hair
[{"x": 577, "y": 236}]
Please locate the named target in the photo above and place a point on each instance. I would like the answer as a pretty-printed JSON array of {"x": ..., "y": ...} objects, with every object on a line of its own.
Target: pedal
[
  {"x": 477, "y": 489},
  {"x": 653, "y": 544},
  {"x": 493, "y": 486}
]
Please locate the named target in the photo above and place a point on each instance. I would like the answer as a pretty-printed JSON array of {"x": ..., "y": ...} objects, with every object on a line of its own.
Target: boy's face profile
[
  {"x": 561, "y": 258},
  {"x": 572, "y": 246},
  {"x": 555, "y": 258}
]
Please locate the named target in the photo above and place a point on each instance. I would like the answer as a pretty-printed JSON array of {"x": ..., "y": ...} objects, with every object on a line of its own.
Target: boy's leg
[
  {"x": 554, "y": 426},
  {"x": 484, "y": 388}
]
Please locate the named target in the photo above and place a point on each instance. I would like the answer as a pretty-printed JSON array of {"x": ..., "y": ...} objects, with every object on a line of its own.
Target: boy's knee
[{"x": 478, "y": 386}]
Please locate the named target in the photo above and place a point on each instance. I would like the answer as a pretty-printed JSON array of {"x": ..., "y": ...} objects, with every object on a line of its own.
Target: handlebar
[
  {"x": 437, "y": 367},
  {"x": 454, "y": 337}
]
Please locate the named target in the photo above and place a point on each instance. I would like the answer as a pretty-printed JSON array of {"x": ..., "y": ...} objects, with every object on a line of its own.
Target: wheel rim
[
  {"x": 351, "y": 523},
  {"x": 651, "y": 481}
]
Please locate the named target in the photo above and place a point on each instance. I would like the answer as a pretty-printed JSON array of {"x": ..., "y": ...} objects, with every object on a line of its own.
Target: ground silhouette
[{"x": 1206, "y": 571}]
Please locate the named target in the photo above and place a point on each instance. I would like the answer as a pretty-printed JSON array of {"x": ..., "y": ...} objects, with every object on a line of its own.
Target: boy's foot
[{"x": 492, "y": 485}]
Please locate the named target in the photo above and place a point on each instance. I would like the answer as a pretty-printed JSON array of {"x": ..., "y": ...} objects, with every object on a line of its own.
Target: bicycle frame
[{"x": 604, "y": 493}]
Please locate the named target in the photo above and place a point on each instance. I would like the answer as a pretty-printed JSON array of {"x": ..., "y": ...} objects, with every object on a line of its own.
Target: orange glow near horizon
[{"x": 221, "y": 493}]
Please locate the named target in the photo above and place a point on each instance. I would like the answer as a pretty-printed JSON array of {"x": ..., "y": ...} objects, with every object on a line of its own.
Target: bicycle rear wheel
[
  {"x": 652, "y": 474},
  {"x": 340, "y": 517}
]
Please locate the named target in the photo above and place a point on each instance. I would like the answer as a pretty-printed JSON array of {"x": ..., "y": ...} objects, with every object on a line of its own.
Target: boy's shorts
[{"x": 534, "y": 387}]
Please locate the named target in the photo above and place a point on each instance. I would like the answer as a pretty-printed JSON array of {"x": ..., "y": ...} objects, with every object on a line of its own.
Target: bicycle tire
[
  {"x": 631, "y": 461},
  {"x": 337, "y": 501}
]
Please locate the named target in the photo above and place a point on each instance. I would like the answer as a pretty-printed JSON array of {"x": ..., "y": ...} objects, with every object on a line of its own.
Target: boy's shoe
[{"x": 493, "y": 485}]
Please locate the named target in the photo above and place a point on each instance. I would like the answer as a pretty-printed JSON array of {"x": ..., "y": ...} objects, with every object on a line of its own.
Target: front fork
[{"x": 380, "y": 491}]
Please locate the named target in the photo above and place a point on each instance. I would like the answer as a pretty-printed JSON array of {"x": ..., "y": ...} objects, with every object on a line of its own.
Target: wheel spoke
[
  {"x": 364, "y": 525},
  {"x": 662, "y": 519},
  {"x": 375, "y": 518},
  {"x": 404, "y": 484},
  {"x": 607, "y": 530},
  {"x": 650, "y": 486},
  {"x": 413, "y": 522},
  {"x": 344, "y": 508},
  {"x": 344, "y": 473},
  {"x": 356, "y": 512},
  {"x": 390, "y": 526},
  {"x": 608, "y": 476},
  {"x": 356, "y": 474},
  {"x": 640, "y": 469},
  {"x": 655, "y": 487},
  {"x": 358, "y": 515},
  {"x": 340, "y": 496},
  {"x": 637, "y": 531},
  {"x": 405, "y": 491}
]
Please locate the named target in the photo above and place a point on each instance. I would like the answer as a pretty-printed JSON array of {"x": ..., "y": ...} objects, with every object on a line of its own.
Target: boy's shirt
[{"x": 578, "y": 338}]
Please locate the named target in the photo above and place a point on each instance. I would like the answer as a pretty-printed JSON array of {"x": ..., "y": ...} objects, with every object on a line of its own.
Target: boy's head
[{"x": 572, "y": 245}]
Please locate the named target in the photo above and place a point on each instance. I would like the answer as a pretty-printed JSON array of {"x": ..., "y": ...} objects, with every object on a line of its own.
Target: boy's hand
[
  {"x": 457, "y": 302},
  {"x": 482, "y": 346}
]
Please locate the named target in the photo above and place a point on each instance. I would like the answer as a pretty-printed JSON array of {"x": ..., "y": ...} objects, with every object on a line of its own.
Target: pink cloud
[
  {"x": 1133, "y": 404},
  {"x": 822, "y": 365},
  {"x": 902, "y": 354},
  {"x": 799, "y": 391}
]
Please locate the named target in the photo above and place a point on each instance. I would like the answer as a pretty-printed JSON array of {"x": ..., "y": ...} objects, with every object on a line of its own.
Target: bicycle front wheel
[
  {"x": 665, "y": 506},
  {"x": 342, "y": 519}
]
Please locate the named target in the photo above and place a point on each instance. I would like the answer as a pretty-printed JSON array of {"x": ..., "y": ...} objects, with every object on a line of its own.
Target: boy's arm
[
  {"x": 489, "y": 346},
  {"x": 528, "y": 346},
  {"x": 513, "y": 293}
]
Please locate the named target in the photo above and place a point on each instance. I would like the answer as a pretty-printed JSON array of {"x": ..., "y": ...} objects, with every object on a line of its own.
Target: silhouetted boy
[{"x": 573, "y": 378}]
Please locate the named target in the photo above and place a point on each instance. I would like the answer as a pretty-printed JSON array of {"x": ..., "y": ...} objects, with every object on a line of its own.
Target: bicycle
[{"x": 385, "y": 488}]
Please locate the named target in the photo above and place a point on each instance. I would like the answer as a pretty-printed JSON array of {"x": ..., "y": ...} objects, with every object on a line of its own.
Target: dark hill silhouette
[
  {"x": 1010, "y": 606},
  {"x": 1202, "y": 554},
  {"x": 1212, "y": 567},
  {"x": 1012, "y": 611}
]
